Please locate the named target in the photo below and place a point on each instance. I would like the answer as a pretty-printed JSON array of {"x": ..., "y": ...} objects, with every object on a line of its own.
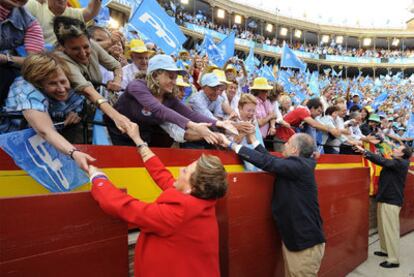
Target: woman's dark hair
[
  {"x": 330, "y": 110},
  {"x": 67, "y": 27}
]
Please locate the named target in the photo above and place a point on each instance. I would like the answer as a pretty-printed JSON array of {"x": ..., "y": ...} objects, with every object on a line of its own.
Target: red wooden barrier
[
  {"x": 60, "y": 235},
  {"x": 407, "y": 211},
  {"x": 250, "y": 245}
]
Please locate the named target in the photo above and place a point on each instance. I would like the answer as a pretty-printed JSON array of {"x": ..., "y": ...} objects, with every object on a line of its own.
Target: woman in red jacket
[{"x": 179, "y": 231}]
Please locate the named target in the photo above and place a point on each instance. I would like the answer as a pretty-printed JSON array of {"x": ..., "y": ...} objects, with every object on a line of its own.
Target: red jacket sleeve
[
  {"x": 159, "y": 173},
  {"x": 160, "y": 218}
]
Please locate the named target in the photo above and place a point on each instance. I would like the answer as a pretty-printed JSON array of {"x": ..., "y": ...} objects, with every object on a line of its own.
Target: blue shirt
[
  {"x": 199, "y": 102},
  {"x": 24, "y": 96}
]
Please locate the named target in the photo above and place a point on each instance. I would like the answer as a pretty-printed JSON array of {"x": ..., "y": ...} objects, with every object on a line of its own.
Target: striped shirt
[{"x": 33, "y": 37}]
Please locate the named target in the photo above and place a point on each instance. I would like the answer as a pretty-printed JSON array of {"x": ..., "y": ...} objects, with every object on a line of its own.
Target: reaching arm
[
  {"x": 315, "y": 124},
  {"x": 92, "y": 10},
  {"x": 42, "y": 123},
  {"x": 152, "y": 163},
  {"x": 161, "y": 219}
]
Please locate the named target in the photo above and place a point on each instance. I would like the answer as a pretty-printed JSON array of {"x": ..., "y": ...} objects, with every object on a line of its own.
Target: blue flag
[
  {"x": 52, "y": 169},
  {"x": 283, "y": 79},
  {"x": 214, "y": 53},
  {"x": 289, "y": 59},
  {"x": 155, "y": 23},
  {"x": 379, "y": 100},
  {"x": 226, "y": 47},
  {"x": 410, "y": 127},
  {"x": 266, "y": 72},
  {"x": 250, "y": 63},
  {"x": 314, "y": 84},
  {"x": 85, "y": 3}
]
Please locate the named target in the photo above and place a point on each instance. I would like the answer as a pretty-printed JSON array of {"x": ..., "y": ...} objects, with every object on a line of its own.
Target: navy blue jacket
[{"x": 295, "y": 204}]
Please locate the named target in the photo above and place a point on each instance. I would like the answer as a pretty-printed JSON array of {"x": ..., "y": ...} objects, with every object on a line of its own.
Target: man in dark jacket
[
  {"x": 295, "y": 204},
  {"x": 390, "y": 198}
]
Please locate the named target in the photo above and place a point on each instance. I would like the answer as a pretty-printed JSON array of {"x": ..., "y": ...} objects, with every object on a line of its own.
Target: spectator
[
  {"x": 46, "y": 10},
  {"x": 17, "y": 28},
  {"x": 140, "y": 56},
  {"x": 84, "y": 57},
  {"x": 181, "y": 85},
  {"x": 295, "y": 200},
  {"x": 390, "y": 198},
  {"x": 305, "y": 114},
  {"x": 42, "y": 96},
  {"x": 181, "y": 225},
  {"x": 208, "y": 101},
  {"x": 329, "y": 142},
  {"x": 152, "y": 102},
  {"x": 265, "y": 115}
]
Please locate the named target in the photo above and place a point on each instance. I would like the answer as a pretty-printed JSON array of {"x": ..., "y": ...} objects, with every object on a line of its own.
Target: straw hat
[
  {"x": 180, "y": 82},
  {"x": 221, "y": 75},
  {"x": 261, "y": 83}
]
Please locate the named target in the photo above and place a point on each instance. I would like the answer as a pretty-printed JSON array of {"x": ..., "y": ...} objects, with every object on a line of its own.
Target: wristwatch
[
  {"x": 139, "y": 146},
  {"x": 100, "y": 101},
  {"x": 9, "y": 60}
]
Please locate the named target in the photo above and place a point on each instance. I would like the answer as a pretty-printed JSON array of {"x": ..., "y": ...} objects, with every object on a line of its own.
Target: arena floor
[{"x": 371, "y": 266}]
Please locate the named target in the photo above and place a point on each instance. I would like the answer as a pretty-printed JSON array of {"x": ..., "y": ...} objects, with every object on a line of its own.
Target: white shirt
[{"x": 128, "y": 74}]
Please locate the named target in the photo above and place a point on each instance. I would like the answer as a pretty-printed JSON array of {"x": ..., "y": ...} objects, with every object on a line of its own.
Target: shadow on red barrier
[
  {"x": 60, "y": 235},
  {"x": 250, "y": 245}
]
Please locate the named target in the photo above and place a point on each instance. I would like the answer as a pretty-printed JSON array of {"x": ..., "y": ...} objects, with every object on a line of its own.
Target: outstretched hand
[
  {"x": 228, "y": 125},
  {"x": 82, "y": 160},
  {"x": 358, "y": 149}
]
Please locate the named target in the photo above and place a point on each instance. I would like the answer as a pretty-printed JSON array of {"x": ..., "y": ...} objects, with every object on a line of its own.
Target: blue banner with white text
[
  {"x": 52, "y": 169},
  {"x": 155, "y": 23}
]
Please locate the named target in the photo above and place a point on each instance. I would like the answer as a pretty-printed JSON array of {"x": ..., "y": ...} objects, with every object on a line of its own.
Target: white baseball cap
[
  {"x": 210, "y": 80},
  {"x": 162, "y": 61}
]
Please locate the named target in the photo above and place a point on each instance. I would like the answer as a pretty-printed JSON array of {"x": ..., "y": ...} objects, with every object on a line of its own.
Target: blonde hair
[
  {"x": 39, "y": 67},
  {"x": 209, "y": 180},
  {"x": 247, "y": 98},
  {"x": 154, "y": 86}
]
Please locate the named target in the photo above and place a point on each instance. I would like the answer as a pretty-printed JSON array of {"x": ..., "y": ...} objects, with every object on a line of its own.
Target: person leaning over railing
[
  {"x": 83, "y": 57},
  {"x": 152, "y": 101},
  {"x": 42, "y": 94},
  {"x": 17, "y": 28},
  {"x": 179, "y": 231}
]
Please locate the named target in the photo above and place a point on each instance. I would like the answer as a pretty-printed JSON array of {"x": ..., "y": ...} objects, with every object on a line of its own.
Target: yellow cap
[
  {"x": 180, "y": 82},
  {"x": 232, "y": 68},
  {"x": 369, "y": 109},
  {"x": 138, "y": 46},
  {"x": 260, "y": 83},
  {"x": 221, "y": 75}
]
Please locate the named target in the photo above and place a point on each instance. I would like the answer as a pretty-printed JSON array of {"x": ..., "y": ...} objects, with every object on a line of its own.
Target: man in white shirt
[
  {"x": 140, "y": 56},
  {"x": 46, "y": 10}
]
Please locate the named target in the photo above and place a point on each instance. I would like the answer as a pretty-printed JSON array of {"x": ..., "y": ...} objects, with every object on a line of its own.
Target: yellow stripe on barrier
[
  {"x": 339, "y": 166},
  {"x": 136, "y": 180}
]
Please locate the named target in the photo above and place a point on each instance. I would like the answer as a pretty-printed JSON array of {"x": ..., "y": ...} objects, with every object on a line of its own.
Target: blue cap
[
  {"x": 210, "y": 80},
  {"x": 162, "y": 61}
]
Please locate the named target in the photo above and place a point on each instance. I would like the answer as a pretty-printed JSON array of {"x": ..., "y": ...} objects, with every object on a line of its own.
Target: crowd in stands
[
  {"x": 254, "y": 34},
  {"x": 182, "y": 100}
]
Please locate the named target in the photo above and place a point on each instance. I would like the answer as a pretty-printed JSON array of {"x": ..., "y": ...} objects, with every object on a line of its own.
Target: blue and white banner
[
  {"x": 52, "y": 169},
  {"x": 289, "y": 59},
  {"x": 155, "y": 23},
  {"x": 226, "y": 47}
]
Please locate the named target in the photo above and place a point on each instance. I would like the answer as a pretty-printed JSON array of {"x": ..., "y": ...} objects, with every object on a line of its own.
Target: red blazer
[{"x": 179, "y": 232}]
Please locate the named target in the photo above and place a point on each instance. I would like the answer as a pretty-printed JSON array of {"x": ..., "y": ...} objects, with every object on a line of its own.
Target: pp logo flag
[
  {"x": 52, "y": 169},
  {"x": 155, "y": 23}
]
